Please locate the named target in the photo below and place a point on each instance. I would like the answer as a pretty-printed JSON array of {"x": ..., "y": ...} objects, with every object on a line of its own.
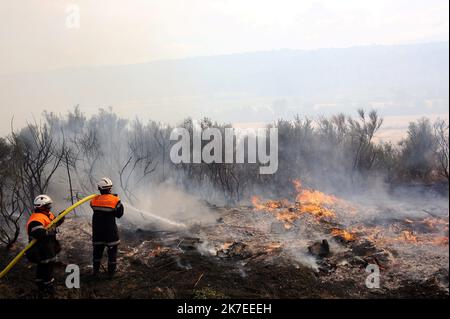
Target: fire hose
[{"x": 31, "y": 243}]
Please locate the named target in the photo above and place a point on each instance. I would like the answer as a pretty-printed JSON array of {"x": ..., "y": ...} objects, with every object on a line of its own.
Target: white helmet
[
  {"x": 105, "y": 183},
  {"x": 41, "y": 201}
]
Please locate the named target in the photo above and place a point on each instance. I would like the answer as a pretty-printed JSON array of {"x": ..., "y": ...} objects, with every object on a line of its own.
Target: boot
[
  {"x": 46, "y": 289},
  {"x": 96, "y": 269},
  {"x": 111, "y": 270}
]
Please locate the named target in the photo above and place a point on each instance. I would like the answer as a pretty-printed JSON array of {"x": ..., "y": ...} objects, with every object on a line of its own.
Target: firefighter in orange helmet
[
  {"x": 44, "y": 252},
  {"x": 105, "y": 234}
]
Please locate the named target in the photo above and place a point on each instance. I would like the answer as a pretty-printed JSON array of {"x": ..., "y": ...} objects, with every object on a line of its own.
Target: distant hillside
[{"x": 262, "y": 86}]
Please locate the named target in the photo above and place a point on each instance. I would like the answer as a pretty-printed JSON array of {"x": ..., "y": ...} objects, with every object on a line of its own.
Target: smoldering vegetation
[
  {"x": 64, "y": 156},
  {"x": 339, "y": 201}
]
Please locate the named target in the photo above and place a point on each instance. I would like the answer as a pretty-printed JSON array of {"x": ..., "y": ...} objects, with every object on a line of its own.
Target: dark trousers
[
  {"x": 111, "y": 251},
  {"x": 44, "y": 276}
]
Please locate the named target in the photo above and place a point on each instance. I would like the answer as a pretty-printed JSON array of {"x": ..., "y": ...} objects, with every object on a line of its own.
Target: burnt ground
[{"x": 223, "y": 260}]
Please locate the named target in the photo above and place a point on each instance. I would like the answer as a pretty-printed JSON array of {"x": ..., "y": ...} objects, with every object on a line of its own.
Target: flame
[
  {"x": 382, "y": 236},
  {"x": 269, "y": 205},
  {"x": 272, "y": 247},
  {"x": 315, "y": 197},
  {"x": 307, "y": 201},
  {"x": 346, "y": 235},
  {"x": 256, "y": 201},
  {"x": 298, "y": 185},
  {"x": 226, "y": 245},
  {"x": 433, "y": 222},
  {"x": 409, "y": 236},
  {"x": 157, "y": 251},
  {"x": 314, "y": 202},
  {"x": 287, "y": 216},
  {"x": 441, "y": 241},
  {"x": 324, "y": 207}
]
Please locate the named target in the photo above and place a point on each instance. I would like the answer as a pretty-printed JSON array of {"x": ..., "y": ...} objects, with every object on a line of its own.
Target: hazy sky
[{"x": 34, "y": 34}]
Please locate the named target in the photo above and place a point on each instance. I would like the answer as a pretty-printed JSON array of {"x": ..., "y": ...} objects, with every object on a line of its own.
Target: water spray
[{"x": 145, "y": 214}]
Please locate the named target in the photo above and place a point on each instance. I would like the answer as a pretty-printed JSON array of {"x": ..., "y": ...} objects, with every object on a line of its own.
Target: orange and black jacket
[
  {"x": 47, "y": 246},
  {"x": 106, "y": 207}
]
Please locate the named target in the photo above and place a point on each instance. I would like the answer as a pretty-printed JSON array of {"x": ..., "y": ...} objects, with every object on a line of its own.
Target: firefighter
[
  {"x": 107, "y": 207},
  {"x": 44, "y": 252}
]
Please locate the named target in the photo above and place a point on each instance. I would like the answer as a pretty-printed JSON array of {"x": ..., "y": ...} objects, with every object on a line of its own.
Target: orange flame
[
  {"x": 226, "y": 245},
  {"x": 321, "y": 206},
  {"x": 311, "y": 202},
  {"x": 314, "y": 202},
  {"x": 273, "y": 247},
  {"x": 348, "y": 236},
  {"x": 287, "y": 217},
  {"x": 256, "y": 201},
  {"x": 269, "y": 205},
  {"x": 409, "y": 236},
  {"x": 442, "y": 241}
]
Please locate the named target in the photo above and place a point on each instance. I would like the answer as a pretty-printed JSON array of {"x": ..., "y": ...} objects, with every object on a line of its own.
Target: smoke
[
  {"x": 134, "y": 156},
  {"x": 206, "y": 248},
  {"x": 167, "y": 207},
  {"x": 304, "y": 259},
  {"x": 335, "y": 156}
]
